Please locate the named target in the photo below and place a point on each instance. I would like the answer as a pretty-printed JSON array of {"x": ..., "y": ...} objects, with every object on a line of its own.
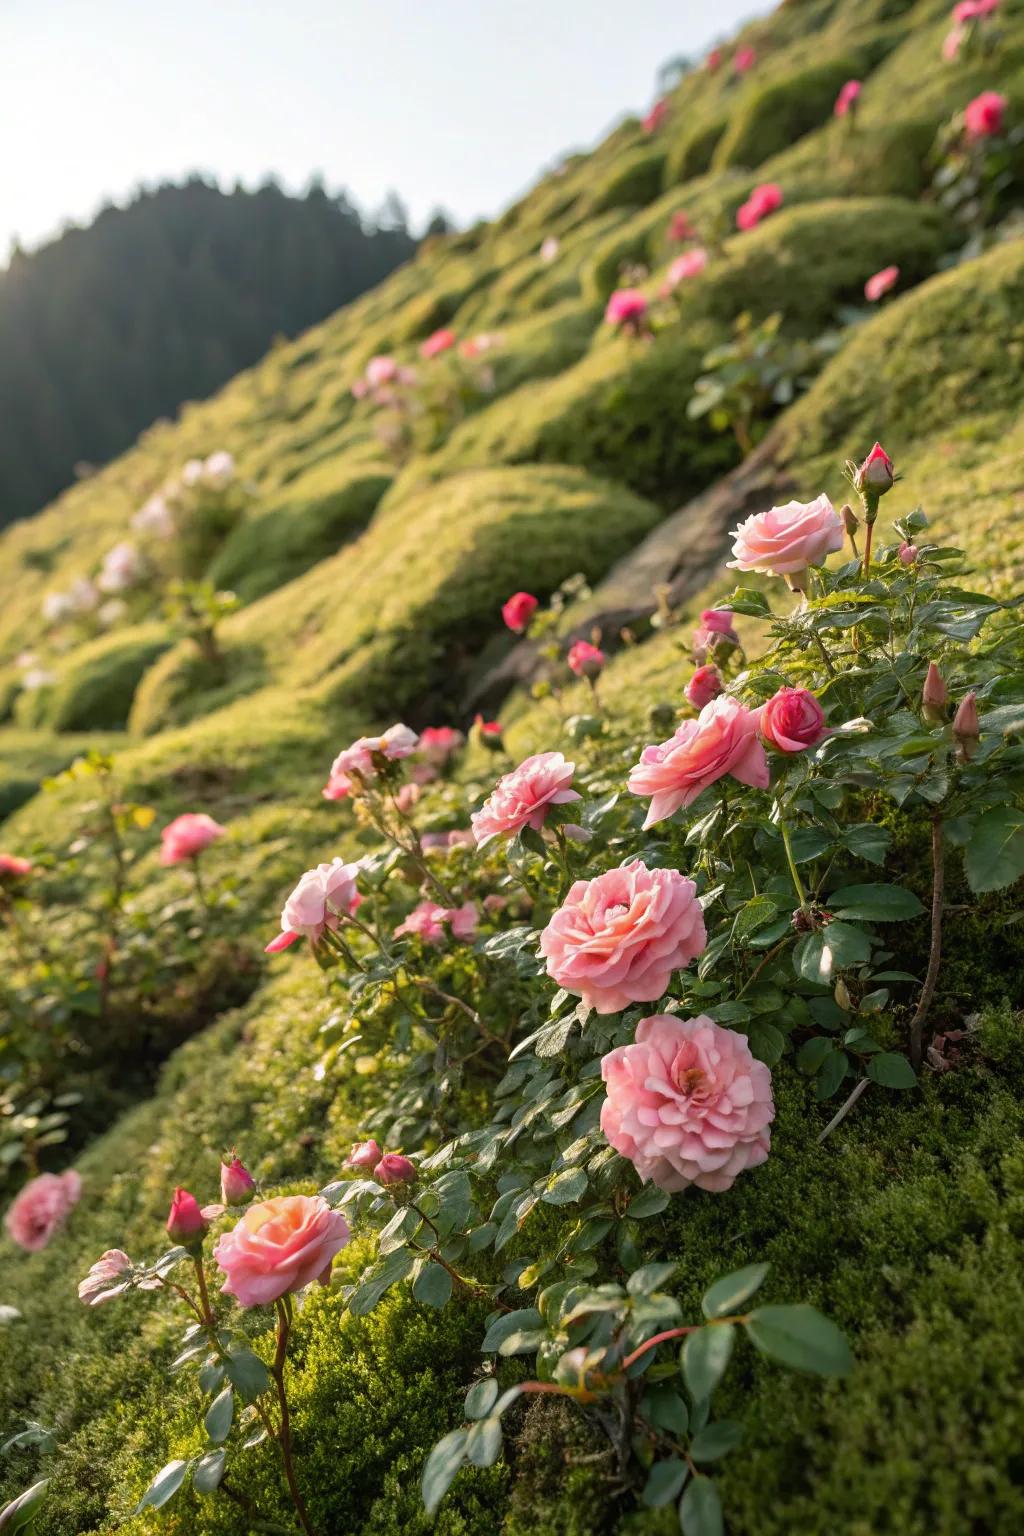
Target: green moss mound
[
  {"x": 96, "y": 688},
  {"x": 784, "y": 111},
  {"x": 321, "y": 508}
]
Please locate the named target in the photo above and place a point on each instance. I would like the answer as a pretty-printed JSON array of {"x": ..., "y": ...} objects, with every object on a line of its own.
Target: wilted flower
[{"x": 106, "y": 1279}]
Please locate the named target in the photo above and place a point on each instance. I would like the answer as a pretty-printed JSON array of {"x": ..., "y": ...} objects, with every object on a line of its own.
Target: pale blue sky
[{"x": 457, "y": 102}]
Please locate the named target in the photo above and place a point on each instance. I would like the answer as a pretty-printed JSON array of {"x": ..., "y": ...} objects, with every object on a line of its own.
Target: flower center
[{"x": 690, "y": 1080}]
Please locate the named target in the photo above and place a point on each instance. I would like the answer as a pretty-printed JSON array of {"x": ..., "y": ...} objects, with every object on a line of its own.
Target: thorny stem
[
  {"x": 935, "y": 952},
  {"x": 285, "y": 1434}
]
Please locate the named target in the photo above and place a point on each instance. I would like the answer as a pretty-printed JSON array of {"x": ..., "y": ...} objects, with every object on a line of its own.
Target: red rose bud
[
  {"x": 933, "y": 696},
  {"x": 490, "y": 734},
  {"x": 966, "y": 727},
  {"x": 186, "y": 1224},
  {"x": 236, "y": 1182},
  {"x": 908, "y": 554},
  {"x": 395, "y": 1169},
  {"x": 704, "y": 685},
  {"x": 364, "y": 1154},
  {"x": 518, "y": 610},
  {"x": 876, "y": 475},
  {"x": 585, "y": 660}
]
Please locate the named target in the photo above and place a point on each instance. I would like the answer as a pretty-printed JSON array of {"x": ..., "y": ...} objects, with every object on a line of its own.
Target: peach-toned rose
[
  {"x": 687, "y": 1103},
  {"x": 524, "y": 797},
  {"x": 785, "y": 540},
  {"x": 704, "y": 685},
  {"x": 722, "y": 740},
  {"x": 41, "y": 1208},
  {"x": 617, "y": 939},
  {"x": 280, "y": 1246},
  {"x": 187, "y": 836},
  {"x": 792, "y": 720},
  {"x": 878, "y": 286},
  {"x": 322, "y": 897}
]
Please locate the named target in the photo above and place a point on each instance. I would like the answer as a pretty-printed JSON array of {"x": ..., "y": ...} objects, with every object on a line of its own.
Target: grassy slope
[{"x": 907, "y": 1223}]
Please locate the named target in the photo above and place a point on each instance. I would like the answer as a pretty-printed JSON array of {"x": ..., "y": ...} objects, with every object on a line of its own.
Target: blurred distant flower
[{"x": 878, "y": 286}]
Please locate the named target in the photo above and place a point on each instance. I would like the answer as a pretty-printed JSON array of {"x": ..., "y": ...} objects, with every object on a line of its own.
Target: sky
[{"x": 457, "y": 103}]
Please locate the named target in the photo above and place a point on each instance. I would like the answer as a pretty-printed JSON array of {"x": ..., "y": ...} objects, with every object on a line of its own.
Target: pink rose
[
  {"x": 356, "y": 765},
  {"x": 13, "y": 868},
  {"x": 106, "y": 1279},
  {"x": 983, "y": 117},
  {"x": 626, "y": 307},
  {"x": 848, "y": 97},
  {"x": 236, "y": 1182},
  {"x": 187, "y": 836},
  {"x": 792, "y": 720},
  {"x": 427, "y": 921},
  {"x": 381, "y": 370},
  {"x": 744, "y": 60},
  {"x": 280, "y": 1246},
  {"x": 785, "y": 540},
  {"x": 617, "y": 939},
  {"x": 322, "y": 897},
  {"x": 439, "y": 742},
  {"x": 764, "y": 200},
  {"x": 364, "y": 1154},
  {"x": 679, "y": 228},
  {"x": 41, "y": 1208},
  {"x": 687, "y": 1103},
  {"x": 704, "y": 685},
  {"x": 584, "y": 659},
  {"x": 974, "y": 10},
  {"x": 715, "y": 634},
  {"x": 722, "y": 740},
  {"x": 689, "y": 264},
  {"x": 393, "y": 1168},
  {"x": 518, "y": 610},
  {"x": 439, "y": 342},
  {"x": 524, "y": 797},
  {"x": 878, "y": 286}
]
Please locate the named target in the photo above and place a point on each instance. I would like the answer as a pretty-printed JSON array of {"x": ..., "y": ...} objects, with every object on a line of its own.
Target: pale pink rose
[
  {"x": 983, "y": 117},
  {"x": 106, "y": 1279},
  {"x": 792, "y": 720},
  {"x": 155, "y": 517},
  {"x": 360, "y": 389},
  {"x": 722, "y": 740},
  {"x": 878, "y": 286},
  {"x": 439, "y": 342},
  {"x": 524, "y": 797},
  {"x": 689, "y": 264},
  {"x": 280, "y": 1246},
  {"x": 187, "y": 836},
  {"x": 627, "y": 307},
  {"x": 219, "y": 469},
  {"x": 122, "y": 567},
  {"x": 322, "y": 897},
  {"x": 848, "y": 97},
  {"x": 785, "y": 540},
  {"x": 764, "y": 200},
  {"x": 617, "y": 939},
  {"x": 463, "y": 920},
  {"x": 381, "y": 370},
  {"x": 549, "y": 249},
  {"x": 356, "y": 765},
  {"x": 704, "y": 685},
  {"x": 41, "y": 1208},
  {"x": 687, "y": 1103},
  {"x": 585, "y": 660}
]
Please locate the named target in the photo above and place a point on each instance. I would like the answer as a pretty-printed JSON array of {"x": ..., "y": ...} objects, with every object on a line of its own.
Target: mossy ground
[{"x": 371, "y": 593}]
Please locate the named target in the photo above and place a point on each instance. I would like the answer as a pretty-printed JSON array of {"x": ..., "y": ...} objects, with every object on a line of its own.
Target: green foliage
[
  {"x": 784, "y": 111},
  {"x": 96, "y": 688}
]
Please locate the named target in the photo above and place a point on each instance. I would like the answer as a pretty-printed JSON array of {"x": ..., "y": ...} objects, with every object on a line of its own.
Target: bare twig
[{"x": 841, "y": 1113}]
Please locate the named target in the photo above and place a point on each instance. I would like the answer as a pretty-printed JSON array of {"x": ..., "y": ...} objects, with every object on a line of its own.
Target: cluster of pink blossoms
[
  {"x": 432, "y": 923},
  {"x": 360, "y": 764},
  {"x": 385, "y": 1167}
]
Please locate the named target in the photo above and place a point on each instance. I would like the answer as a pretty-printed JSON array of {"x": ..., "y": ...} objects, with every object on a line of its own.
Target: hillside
[
  {"x": 610, "y": 1092},
  {"x": 108, "y": 328}
]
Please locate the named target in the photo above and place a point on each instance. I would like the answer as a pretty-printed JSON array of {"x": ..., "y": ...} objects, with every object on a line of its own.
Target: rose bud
[
  {"x": 186, "y": 1224},
  {"x": 365, "y": 1154},
  {"x": 585, "y": 660},
  {"x": 851, "y": 522},
  {"x": 966, "y": 727},
  {"x": 490, "y": 734},
  {"x": 395, "y": 1169},
  {"x": 704, "y": 685},
  {"x": 236, "y": 1182},
  {"x": 908, "y": 554},
  {"x": 518, "y": 610},
  {"x": 876, "y": 475},
  {"x": 933, "y": 696},
  {"x": 13, "y": 868}
]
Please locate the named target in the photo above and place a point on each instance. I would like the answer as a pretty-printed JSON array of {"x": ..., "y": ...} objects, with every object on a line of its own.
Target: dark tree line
[{"x": 108, "y": 328}]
